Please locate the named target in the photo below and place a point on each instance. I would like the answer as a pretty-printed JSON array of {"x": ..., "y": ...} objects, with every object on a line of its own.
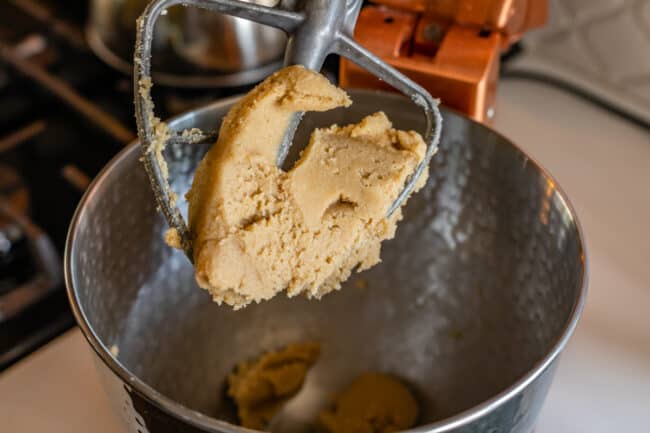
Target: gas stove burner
[
  {"x": 14, "y": 192},
  {"x": 16, "y": 264},
  {"x": 29, "y": 263}
]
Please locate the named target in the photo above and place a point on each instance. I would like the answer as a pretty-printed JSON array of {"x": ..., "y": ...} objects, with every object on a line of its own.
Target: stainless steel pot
[
  {"x": 474, "y": 300},
  {"x": 192, "y": 47}
]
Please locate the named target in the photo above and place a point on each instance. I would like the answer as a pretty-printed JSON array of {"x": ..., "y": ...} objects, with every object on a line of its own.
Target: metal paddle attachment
[{"x": 316, "y": 28}]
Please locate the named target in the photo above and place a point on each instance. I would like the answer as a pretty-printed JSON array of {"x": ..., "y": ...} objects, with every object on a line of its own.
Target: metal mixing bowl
[{"x": 471, "y": 306}]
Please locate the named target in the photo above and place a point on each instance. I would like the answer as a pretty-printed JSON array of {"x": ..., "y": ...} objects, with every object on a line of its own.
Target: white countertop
[
  {"x": 603, "y": 383},
  {"x": 603, "y": 164}
]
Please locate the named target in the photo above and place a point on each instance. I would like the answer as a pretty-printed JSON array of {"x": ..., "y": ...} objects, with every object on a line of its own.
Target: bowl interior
[{"x": 475, "y": 289}]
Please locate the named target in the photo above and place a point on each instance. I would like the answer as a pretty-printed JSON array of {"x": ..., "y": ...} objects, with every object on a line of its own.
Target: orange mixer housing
[{"x": 451, "y": 47}]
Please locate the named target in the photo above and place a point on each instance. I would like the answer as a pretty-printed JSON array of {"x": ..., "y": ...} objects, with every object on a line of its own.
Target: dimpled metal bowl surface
[{"x": 474, "y": 300}]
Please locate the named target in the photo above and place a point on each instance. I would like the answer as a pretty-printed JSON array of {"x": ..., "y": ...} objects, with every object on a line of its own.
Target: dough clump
[
  {"x": 372, "y": 403},
  {"x": 260, "y": 387},
  {"x": 258, "y": 230}
]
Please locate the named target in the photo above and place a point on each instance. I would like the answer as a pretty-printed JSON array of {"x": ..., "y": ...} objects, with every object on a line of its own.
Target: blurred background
[{"x": 567, "y": 80}]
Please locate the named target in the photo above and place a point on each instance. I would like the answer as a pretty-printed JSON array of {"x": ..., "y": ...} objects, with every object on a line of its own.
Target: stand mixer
[{"x": 472, "y": 304}]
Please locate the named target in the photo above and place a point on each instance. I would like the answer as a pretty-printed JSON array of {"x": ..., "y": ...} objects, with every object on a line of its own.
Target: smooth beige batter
[
  {"x": 372, "y": 403},
  {"x": 258, "y": 230},
  {"x": 262, "y": 386}
]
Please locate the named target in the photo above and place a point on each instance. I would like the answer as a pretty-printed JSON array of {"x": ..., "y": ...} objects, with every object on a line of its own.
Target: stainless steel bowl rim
[{"x": 205, "y": 422}]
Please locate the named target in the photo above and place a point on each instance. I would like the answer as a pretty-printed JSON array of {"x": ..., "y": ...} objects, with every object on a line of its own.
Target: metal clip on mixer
[{"x": 316, "y": 28}]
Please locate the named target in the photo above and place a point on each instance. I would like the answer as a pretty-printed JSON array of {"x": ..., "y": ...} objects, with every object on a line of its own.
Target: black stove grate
[{"x": 63, "y": 115}]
